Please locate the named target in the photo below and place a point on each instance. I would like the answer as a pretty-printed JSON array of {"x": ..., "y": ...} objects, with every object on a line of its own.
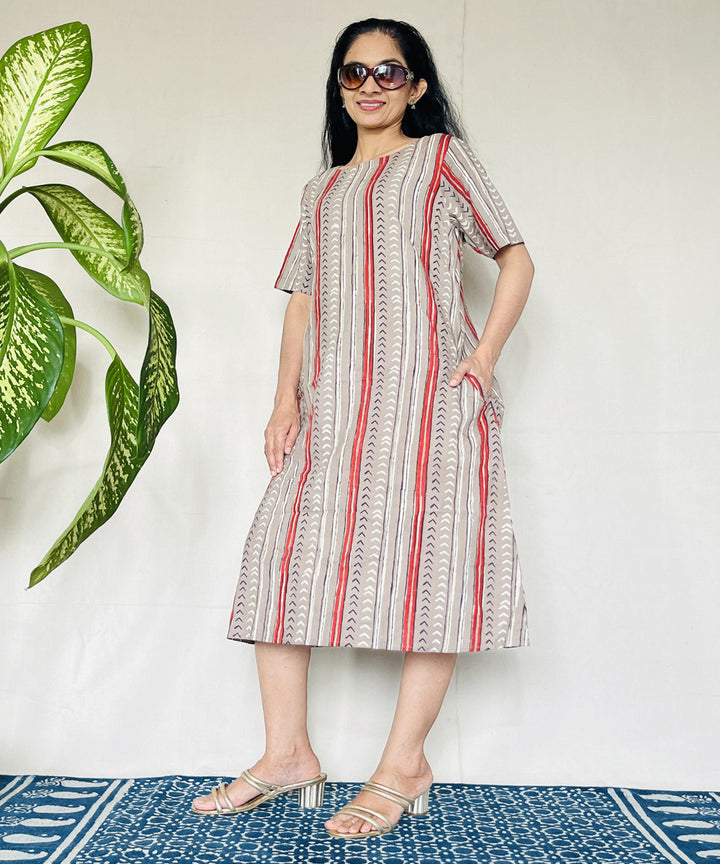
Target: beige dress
[{"x": 389, "y": 525}]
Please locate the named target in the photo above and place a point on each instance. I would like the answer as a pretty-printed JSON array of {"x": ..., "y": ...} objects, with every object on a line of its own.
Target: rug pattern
[{"x": 60, "y": 819}]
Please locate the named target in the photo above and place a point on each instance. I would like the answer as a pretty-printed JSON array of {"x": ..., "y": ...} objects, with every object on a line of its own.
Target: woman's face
[{"x": 370, "y": 106}]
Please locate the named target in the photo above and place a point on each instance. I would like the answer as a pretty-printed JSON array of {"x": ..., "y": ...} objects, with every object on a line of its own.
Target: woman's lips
[{"x": 370, "y": 106}]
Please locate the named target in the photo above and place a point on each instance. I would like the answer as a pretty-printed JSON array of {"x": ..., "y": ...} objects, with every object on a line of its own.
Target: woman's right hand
[{"x": 280, "y": 435}]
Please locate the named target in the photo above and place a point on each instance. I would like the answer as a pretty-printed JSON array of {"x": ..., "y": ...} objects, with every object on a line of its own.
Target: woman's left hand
[
  {"x": 511, "y": 291},
  {"x": 481, "y": 365}
]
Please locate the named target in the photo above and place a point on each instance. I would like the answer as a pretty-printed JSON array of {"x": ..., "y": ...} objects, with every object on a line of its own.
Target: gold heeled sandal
[
  {"x": 310, "y": 794},
  {"x": 381, "y": 824}
]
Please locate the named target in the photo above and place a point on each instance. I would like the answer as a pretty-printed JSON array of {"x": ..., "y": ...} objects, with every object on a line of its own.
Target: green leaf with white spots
[
  {"x": 134, "y": 235},
  {"x": 53, "y": 296},
  {"x": 41, "y": 78},
  {"x": 90, "y": 158},
  {"x": 78, "y": 220},
  {"x": 159, "y": 394},
  {"x": 121, "y": 467},
  {"x": 31, "y": 355}
]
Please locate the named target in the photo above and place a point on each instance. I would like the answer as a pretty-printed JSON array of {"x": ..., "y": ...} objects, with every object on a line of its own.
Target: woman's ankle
[
  {"x": 408, "y": 768},
  {"x": 290, "y": 758}
]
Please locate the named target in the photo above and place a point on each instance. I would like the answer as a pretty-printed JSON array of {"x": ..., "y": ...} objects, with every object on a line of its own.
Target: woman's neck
[{"x": 373, "y": 143}]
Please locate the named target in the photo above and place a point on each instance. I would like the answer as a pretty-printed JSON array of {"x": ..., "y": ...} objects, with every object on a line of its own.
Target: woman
[{"x": 385, "y": 523}]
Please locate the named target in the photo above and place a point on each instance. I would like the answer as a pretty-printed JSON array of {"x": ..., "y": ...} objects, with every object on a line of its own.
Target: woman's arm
[
  {"x": 284, "y": 424},
  {"x": 511, "y": 292}
]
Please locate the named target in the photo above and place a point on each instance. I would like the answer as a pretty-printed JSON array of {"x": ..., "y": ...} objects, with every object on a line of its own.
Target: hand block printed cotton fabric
[{"x": 389, "y": 525}]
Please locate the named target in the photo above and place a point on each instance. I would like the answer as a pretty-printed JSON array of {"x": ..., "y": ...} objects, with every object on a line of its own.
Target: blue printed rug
[{"x": 58, "y": 819}]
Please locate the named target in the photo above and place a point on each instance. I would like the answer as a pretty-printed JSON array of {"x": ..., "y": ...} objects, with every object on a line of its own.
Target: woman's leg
[
  {"x": 403, "y": 766},
  {"x": 288, "y": 757}
]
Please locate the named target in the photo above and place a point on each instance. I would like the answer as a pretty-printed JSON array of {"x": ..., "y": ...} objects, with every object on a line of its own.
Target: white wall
[{"x": 599, "y": 122}]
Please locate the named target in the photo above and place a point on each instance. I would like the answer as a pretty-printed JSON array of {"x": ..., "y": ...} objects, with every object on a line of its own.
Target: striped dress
[{"x": 389, "y": 524}]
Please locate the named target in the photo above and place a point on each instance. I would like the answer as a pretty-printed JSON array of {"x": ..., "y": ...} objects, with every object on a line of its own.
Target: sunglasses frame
[{"x": 370, "y": 73}]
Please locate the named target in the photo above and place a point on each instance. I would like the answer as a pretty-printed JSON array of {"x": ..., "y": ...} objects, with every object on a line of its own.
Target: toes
[
  {"x": 355, "y": 825},
  {"x": 346, "y": 824},
  {"x": 343, "y": 824}
]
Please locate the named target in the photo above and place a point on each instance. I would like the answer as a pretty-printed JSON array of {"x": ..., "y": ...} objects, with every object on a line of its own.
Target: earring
[{"x": 412, "y": 105}]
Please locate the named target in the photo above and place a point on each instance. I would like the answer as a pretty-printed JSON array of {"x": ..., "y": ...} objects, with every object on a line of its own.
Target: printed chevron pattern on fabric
[
  {"x": 466, "y": 195},
  {"x": 368, "y": 542},
  {"x": 279, "y": 625},
  {"x": 425, "y": 419},
  {"x": 477, "y": 615},
  {"x": 367, "y": 383},
  {"x": 293, "y": 246},
  {"x": 389, "y": 526}
]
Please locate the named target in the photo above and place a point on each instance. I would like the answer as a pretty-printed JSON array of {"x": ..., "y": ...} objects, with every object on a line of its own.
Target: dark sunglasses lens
[
  {"x": 389, "y": 76},
  {"x": 352, "y": 76}
]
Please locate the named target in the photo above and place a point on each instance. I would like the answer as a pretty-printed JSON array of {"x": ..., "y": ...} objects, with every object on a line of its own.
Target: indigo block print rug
[{"x": 91, "y": 821}]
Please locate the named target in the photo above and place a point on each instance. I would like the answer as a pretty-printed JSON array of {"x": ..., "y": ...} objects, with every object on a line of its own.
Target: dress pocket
[
  {"x": 496, "y": 392},
  {"x": 494, "y": 395}
]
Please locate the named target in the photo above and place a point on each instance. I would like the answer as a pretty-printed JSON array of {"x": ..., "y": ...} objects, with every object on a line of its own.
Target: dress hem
[{"x": 524, "y": 644}]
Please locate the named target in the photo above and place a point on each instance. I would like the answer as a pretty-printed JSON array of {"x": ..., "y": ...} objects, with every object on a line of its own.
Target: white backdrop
[{"x": 599, "y": 123}]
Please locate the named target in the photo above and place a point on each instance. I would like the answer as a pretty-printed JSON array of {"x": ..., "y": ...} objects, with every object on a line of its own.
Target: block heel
[
  {"x": 420, "y": 805},
  {"x": 312, "y": 795}
]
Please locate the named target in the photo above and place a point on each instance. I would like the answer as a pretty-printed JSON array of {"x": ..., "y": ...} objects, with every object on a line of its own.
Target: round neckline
[{"x": 379, "y": 158}]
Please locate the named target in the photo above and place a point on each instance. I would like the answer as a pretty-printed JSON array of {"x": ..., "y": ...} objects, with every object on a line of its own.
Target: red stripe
[
  {"x": 426, "y": 421},
  {"x": 477, "y": 616},
  {"x": 453, "y": 180},
  {"x": 292, "y": 528},
  {"x": 368, "y": 358}
]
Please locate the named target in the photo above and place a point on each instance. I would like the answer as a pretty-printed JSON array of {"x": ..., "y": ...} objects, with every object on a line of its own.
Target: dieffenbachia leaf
[
  {"x": 90, "y": 158},
  {"x": 121, "y": 467},
  {"x": 53, "y": 296},
  {"x": 31, "y": 355},
  {"x": 134, "y": 235},
  {"x": 78, "y": 220},
  {"x": 159, "y": 394},
  {"x": 41, "y": 78}
]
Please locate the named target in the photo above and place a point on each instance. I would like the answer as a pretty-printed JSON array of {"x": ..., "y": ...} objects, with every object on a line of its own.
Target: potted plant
[{"x": 41, "y": 78}]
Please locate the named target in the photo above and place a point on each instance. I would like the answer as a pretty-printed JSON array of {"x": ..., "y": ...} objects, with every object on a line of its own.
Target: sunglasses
[{"x": 388, "y": 76}]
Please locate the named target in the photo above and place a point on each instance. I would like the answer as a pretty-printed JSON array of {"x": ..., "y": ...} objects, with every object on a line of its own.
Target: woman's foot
[
  {"x": 279, "y": 772},
  {"x": 411, "y": 783}
]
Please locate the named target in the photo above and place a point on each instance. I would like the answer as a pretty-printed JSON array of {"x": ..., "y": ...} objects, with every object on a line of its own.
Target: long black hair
[{"x": 433, "y": 113}]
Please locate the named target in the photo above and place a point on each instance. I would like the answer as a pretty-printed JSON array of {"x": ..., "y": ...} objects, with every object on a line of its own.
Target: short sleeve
[
  {"x": 476, "y": 207},
  {"x": 297, "y": 271}
]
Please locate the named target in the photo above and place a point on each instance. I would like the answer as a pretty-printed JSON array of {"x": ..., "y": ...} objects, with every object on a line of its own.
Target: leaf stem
[
  {"x": 34, "y": 247},
  {"x": 4, "y": 204},
  {"x": 6, "y": 179},
  {"x": 92, "y": 331},
  {"x": 17, "y": 169}
]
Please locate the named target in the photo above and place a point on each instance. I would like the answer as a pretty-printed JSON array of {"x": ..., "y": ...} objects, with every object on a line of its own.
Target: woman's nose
[{"x": 370, "y": 85}]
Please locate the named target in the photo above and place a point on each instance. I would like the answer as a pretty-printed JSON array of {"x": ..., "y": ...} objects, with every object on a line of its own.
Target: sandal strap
[
  {"x": 262, "y": 787},
  {"x": 321, "y": 778},
  {"x": 217, "y": 792},
  {"x": 393, "y": 795},
  {"x": 368, "y": 815}
]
